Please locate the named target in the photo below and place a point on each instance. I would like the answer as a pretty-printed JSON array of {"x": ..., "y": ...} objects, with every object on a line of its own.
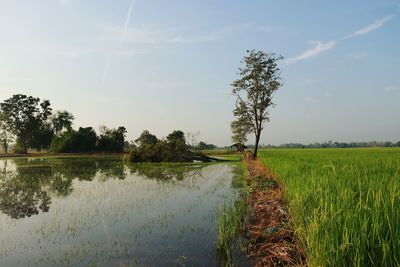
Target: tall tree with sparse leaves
[{"x": 254, "y": 89}]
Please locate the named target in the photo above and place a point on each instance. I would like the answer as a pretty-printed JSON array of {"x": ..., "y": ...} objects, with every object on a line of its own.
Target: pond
[{"x": 99, "y": 211}]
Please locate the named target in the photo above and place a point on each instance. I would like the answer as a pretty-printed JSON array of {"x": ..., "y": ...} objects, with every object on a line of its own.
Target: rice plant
[{"x": 344, "y": 203}]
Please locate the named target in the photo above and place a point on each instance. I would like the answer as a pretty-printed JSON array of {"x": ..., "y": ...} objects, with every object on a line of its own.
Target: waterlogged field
[
  {"x": 96, "y": 211},
  {"x": 344, "y": 203}
]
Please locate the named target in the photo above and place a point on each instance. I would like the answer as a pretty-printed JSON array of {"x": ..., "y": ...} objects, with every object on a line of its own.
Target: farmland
[
  {"x": 102, "y": 211},
  {"x": 344, "y": 203}
]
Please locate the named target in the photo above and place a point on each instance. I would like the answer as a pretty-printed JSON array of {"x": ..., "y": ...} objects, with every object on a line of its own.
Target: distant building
[{"x": 237, "y": 147}]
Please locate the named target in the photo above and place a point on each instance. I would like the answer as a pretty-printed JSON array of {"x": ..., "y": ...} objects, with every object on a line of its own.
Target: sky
[{"x": 169, "y": 64}]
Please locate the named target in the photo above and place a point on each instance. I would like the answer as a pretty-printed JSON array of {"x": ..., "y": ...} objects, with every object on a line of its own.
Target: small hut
[{"x": 237, "y": 147}]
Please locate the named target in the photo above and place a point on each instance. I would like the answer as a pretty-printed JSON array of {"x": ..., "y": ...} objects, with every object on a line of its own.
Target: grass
[
  {"x": 344, "y": 203},
  {"x": 224, "y": 154},
  {"x": 231, "y": 218}
]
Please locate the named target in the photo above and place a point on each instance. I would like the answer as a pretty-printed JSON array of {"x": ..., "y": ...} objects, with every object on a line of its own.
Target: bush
[{"x": 172, "y": 149}]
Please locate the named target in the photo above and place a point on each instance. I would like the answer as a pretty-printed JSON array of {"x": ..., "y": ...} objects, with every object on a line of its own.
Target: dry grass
[{"x": 271, "y": 242}]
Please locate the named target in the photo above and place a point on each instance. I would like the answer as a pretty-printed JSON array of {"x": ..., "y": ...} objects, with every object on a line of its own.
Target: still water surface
[{"x": 98, "y": 211}]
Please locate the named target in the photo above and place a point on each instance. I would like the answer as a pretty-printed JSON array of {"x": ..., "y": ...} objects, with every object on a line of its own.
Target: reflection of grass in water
[{"x": 231, "y": 218}]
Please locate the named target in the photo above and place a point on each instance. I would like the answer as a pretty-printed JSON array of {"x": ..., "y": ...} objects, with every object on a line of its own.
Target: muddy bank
[{"x": 270, "y": 241}]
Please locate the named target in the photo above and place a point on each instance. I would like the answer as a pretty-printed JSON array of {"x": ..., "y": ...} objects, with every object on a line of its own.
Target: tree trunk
[
  {"x": 256, "y": 145},
  {"x": 23, "y": 146}
]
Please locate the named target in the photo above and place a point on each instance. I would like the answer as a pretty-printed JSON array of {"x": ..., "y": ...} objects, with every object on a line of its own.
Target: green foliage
[
  {"x": 172, "y": 149},
  {"x": 146, "y": 138},
  {"x": 61, "y": 120},
  {"x": 111, "y": 140},
  {"x": 204, "y": 146},
  {"x": 259, "y": 80},
  {"x": 240, "y": 129},
  {"x": 176, "y": 136},
  {"x": 6, "y": 137},
  {"x": 83, "y": 140},
  {"x": 25, "y": 116},
  {"x": 344, "y": 203},
  {"x": 41, "y": 137},
  {"x": 231, "y": 217}
]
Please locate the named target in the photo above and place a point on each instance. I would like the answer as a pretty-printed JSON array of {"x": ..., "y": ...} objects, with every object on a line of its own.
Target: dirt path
[{"x": 271, "y": 242}]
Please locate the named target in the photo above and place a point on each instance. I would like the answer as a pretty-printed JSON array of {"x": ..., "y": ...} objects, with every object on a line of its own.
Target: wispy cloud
[
  {"x": 318, "y": 48},
  {"x": 392, "y": 88},
  {"x": 134, "y": 39},
  {"x": 371, "y": 27}
]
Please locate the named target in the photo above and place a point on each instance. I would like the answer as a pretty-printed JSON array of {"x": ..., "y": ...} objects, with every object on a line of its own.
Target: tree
[
  {"x": 146, "y": 138},
  {"x": 83, "y": 140},
  {"x": 61, "y": 120},
  {"x": 259, "y": 80},
  {"x": 41, "y": 137},
  {"x": 204, "y": 146},
  {"x": 176, "y": 136},
  {"x": 6, "y": 136},
  {"x": 240, "y": 129},
  {"x": 111, "y": 140},
  {"x": 24, "y": 115}
]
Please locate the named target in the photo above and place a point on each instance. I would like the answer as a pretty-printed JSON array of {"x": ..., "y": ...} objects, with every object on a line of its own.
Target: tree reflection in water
[
  {"x": 27, "y": 184},
  {"x": 167, "y": 171}
]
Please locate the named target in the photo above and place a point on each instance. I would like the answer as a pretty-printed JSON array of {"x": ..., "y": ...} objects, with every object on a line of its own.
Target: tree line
[
  {"x": 28, "y": 122},
  {"x": 331, "y": 144}
]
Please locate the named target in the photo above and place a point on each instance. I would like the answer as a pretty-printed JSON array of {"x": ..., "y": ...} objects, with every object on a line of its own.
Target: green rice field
[{"x": 344, "y": 203}]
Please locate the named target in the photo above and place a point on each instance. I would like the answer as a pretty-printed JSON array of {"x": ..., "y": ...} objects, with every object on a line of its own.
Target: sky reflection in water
[{"x": 79, "y": 211}]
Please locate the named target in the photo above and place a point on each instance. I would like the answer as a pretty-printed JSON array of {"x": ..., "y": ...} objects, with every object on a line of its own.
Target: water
[{"x": 98, "y": 211}]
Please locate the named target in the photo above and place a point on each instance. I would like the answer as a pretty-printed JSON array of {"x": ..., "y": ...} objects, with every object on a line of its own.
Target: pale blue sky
[{"x": 165, "y": 65}]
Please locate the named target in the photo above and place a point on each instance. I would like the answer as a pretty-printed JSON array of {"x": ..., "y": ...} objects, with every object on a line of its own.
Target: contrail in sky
[
  {"x": 123, "y": 36},
  {"x": 127, "y": 20}
]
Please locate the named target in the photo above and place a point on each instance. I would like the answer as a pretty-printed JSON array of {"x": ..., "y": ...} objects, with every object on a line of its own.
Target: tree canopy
[
  {"x": 34, "y": 125},
  {"x": 204, "y": 146},
  {"x": 62, "y": 120},
  {"x": 146, "y": 138},
  {"x": 26, "y": 117},
  {"x": 111, "y": 140}
]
